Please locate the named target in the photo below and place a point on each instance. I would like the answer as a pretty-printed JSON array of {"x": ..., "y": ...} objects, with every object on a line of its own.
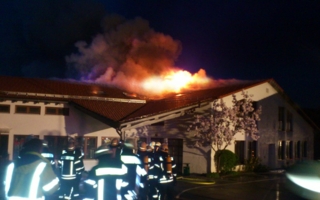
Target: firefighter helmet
[
  {"x": 152, "y": 144},
  {"x": 149, "y": 148},
  {"x": 129, "y": 143},
  {"x": 158, "y": 144},
  {"x": 164, "y": 148},
  {"x": 115, "y": 142},
  {"x": 103, "y": 150},
  {"x": 143, "y": 146}
]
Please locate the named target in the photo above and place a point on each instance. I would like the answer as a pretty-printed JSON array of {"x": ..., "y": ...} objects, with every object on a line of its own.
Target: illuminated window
[
  {"x": 57, "y": 111},
  {"x": 281, "y": 149},
  {"x": 4, "y": 108},
  {"x": 28, "y": 109}
]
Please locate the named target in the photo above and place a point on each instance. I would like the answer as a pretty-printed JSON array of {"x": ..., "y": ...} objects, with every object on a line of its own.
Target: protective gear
[
  {"x": 31, "y": 176},
  {"x": 164, "y": 148},
  {"x": 48, "y": 154},
  {"x": 167, "y": 176},
  {"x": 149, "y": 149},
  {"x": 105, "y": 180},
  {"x": 102, "y": 150},
  {"x": 158, "y": 144},
  {"x": 143, "y": 146},
  {"x": 147, "y": 163},
  {"x": 129, "y": 143},
  {"x": 71, "y": 165},
  {"x": 115, "y": 142},
  {"x": 71, "y": 143},
  {"x": 152, "y": 144},
  {"x": 153, "y": 173},
  {"x": 135, "y": 173}
]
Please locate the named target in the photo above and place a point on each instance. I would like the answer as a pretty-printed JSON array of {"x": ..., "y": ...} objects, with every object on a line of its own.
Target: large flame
[
  {"x": 133, "y": 57},
  {"x": 175, "y": 81}
]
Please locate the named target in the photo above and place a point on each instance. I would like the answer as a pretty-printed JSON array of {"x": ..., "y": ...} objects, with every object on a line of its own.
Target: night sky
[{"x": 228, "y": 39}]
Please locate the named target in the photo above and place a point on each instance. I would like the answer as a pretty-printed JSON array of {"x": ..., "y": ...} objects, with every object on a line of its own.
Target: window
[
  {"x": 4, "y": 108},
  {"x": 305, "y": 149},
  {"x": 239, "y": 151},
  {"x": 289, "y": 149},
  {"x": 57, "y": 111},
  {"x": 252, "y": 149},
  {"x": 289, "y": 121},
  {"x": 18, "y": 142},
  {"x": 89, "y": 145},
  {"x": 56, "y": 144},
  {"x": 28, "y": 109},
  {"x": 298, "y": 149},
  {"x": 281, "y": 121},
  {"x": 281, "y": 149},
  {"x": 106, "y": 140}
]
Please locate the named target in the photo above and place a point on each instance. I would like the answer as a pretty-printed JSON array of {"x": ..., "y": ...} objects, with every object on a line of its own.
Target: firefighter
[
  {"x": 146, "y": 164},
  {"x": 154, "y": 172},
  {"x": 31, "y": 176},
  {"x": 135, "y": 171},
  {"x": 168, "y": 175},
  {"x": 105, "y": 180},
  {"x": 71, "y": 168}
]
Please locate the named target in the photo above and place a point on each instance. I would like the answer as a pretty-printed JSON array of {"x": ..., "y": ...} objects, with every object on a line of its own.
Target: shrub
[
  {"x": 253, "y": 164},
  {"x": 226, "y": 160},
  {"x": 213, "y": 175}
]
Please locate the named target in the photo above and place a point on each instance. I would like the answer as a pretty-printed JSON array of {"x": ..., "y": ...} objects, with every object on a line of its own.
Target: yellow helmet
[
  {"x": 152, "y": 144},
  {"x": 158, "y": 144}
]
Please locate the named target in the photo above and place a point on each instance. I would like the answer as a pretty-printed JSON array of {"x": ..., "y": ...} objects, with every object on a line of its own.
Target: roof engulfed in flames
[{"x": 133, "y": 57}]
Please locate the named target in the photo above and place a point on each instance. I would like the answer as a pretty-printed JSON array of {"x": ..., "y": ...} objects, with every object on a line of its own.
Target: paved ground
[{"x": 273, "y": 186}]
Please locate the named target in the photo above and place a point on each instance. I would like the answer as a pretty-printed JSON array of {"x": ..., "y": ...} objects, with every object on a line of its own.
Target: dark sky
[{"x": 229, "y": 39}]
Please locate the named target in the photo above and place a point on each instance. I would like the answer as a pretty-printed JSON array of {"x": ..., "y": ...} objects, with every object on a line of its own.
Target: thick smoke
[{"x": 127, "y": 52}]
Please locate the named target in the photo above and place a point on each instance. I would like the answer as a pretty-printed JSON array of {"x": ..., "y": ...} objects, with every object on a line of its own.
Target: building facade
[{"x": 56, "y": 110}]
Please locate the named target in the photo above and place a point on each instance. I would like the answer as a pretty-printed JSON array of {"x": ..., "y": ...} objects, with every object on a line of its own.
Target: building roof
[{"x": 108, "y": 104}]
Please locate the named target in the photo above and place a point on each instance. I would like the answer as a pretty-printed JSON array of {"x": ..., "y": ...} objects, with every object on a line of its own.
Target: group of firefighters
[{"x": 121, "y": 173}]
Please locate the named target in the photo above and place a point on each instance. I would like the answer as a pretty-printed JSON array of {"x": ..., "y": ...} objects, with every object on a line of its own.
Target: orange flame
[{"x": 175, "y": 81}]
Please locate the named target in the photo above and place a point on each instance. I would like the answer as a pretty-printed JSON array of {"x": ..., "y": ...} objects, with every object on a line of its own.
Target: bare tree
[{"x": 218, "y": 127}]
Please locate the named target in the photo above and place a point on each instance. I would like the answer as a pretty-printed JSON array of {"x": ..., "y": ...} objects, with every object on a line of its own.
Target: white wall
[
  {"x": 56, "y": 125},
  {"x": 200, "y": 159}
]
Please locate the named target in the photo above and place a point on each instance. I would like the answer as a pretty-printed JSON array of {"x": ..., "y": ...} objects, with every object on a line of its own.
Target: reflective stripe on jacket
[
  {"x": 71, "y": 164},
  {"x": 30, "y": 181}
]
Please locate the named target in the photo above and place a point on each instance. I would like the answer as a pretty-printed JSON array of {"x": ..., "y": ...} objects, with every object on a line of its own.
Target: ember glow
[
  {"x": 175, "y": 81},
  {"x": 131, "y": 56}
]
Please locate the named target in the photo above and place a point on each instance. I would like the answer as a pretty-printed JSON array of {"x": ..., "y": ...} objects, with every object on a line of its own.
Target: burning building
[{"x": 94, "y": 113}]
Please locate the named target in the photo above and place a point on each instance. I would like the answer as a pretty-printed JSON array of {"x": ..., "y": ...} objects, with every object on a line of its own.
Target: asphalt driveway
[{"x": 253, "y": 186}]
